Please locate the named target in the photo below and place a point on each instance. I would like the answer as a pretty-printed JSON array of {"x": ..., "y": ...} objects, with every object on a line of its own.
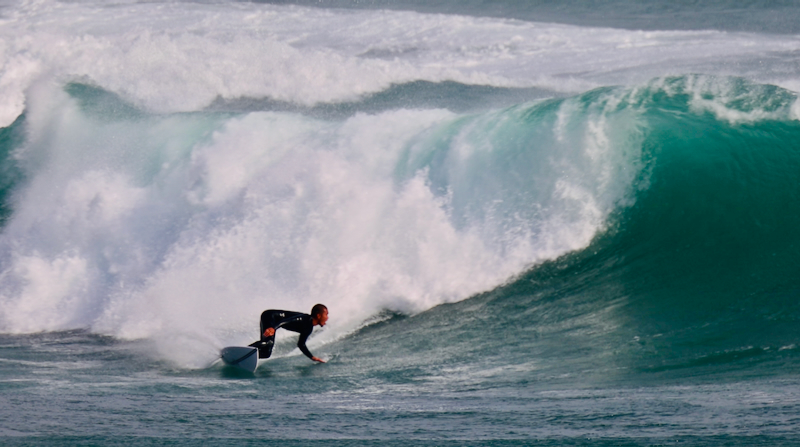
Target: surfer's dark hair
[{"x": 317, "y": 309}]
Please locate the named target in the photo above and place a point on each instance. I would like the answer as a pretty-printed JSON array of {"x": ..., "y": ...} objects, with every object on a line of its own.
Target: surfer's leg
[
  {"x": 264, "y": 347},
  {"x": 266, "y": 344}
]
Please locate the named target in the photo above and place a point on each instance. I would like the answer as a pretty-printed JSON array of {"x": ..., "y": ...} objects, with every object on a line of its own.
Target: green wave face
[{"x": 694, "y": 270}]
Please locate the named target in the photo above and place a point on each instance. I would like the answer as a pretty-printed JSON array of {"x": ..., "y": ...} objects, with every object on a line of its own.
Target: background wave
[
  {"x": 765, "y": 17},
  {"x": 186, "y": 56}
]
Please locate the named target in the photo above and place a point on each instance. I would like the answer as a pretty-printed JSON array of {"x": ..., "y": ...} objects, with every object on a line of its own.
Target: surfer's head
[{"x": 319, "y": 315}]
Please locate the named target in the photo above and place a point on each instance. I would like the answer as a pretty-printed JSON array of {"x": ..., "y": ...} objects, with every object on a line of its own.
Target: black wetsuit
[{"x": 293, "y": 321}]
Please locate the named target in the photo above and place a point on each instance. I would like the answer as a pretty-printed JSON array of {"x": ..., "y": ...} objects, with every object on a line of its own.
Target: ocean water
[{"x": 533, "y": 223}]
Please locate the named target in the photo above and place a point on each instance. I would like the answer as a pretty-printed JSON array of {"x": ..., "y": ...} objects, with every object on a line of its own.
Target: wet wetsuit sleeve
[
  {"x": 290, "y": 319},
  {"x": 305, "y": 332},
  {"x": 301, "y": 343}
]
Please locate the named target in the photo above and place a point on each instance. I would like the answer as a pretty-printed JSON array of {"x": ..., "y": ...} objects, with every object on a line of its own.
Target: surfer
[{"x": 299, "y": 322}]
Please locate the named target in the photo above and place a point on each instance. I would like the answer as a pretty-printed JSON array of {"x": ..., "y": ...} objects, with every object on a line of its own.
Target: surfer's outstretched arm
[{"x": 301, "y": 343}]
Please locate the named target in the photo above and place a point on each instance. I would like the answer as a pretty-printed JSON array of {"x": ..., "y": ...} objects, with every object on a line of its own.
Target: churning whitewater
[{"x": 524, "y": 221}]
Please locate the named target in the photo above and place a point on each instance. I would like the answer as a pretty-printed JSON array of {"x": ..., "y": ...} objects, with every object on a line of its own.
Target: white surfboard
[{"x": 244, "y": 357}]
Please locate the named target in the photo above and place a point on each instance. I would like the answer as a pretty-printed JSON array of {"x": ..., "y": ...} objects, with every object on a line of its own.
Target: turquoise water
[{"x": 532, "y": 225}]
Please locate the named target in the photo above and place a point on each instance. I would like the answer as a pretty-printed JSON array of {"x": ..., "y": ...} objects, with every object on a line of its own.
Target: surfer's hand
[
  {"x": 269, "y": 332},
  {"x": 317, "y": 359}
]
